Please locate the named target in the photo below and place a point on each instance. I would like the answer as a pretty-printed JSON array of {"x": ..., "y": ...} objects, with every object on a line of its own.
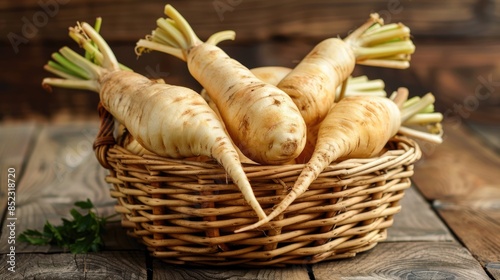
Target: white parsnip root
[
  {"x": 167, "y": 120},
  {"x": 261, "y": 119},
  {"x": 357, "y": 127},
  {"x": 314, "y": 81}
]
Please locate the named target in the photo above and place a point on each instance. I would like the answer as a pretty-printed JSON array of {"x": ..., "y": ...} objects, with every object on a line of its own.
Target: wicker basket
[{"x": 186, "y": 212}]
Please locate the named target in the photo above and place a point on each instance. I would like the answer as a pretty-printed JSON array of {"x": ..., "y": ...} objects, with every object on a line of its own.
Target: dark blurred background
[{"x": 457, "y": 56}]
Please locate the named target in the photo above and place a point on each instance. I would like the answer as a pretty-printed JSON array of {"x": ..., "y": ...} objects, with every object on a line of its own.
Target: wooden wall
[
  {"x": 253, "y": 19},
  {"x": 279, "y": 31}
]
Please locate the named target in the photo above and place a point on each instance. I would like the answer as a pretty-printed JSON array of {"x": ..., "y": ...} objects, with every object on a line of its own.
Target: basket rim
[{"x": 405, "y": 151}]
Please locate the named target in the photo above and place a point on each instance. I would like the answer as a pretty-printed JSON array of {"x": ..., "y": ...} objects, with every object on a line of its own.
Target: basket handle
[{"x": 104, "y": 139}]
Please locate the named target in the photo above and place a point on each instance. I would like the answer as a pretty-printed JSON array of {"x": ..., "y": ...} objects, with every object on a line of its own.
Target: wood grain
[
  {"x": 405, "y": 260},
  {"x": 417, "y": 221},
  {"x": 464, "y": 188},
  {"x": 450, "y": 173},
  {"x": 162, "y": 271},
  {"x": 14, "y": 150},
  {"x": 494, "y": 270},
  {"x": 254, "y": 19},
  {"x": 489, "y": 133},
  {"x": 57, "y": 144},
  {"x": 463, "y": 75},
  {"x": 478, "y": 229},
  {"x": 105, "y": 265},
  {"x": 62, "y": 169}
]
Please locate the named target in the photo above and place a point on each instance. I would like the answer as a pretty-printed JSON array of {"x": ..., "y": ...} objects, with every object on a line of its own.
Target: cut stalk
[
  {"x": 70, "y": 66},
  {"x": 358, "y": 79},
  {"x": 60, "y": 71},
  {"x": 391, "y": 50},
  {"x": 81, "y": 72},
  {"x": 400, "y": 96},
  {"x": 361, "y": 85},
  {"x": 424, "y": 118},
  {"x": 91, "y": 85},
  {"x": 383, "y": 34},
  {"x": 425, "y": 136},
  {"x": 386, "y": 63},
  {"x": 92, "y": 70},
  {"x": 409, "y": 111},
  {"x": 97, "y": 28},
  {"x": 366, "y": 86},
  {"x": 376, "y": 44},
  {"x": 418, "y": 112}
]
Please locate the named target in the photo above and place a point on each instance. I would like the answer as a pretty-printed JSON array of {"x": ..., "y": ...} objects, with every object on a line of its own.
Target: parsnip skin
[
  {"x": 271, "y": 74},
  {"x": 261, "y": 119},
  {"x": 312, "y": 84},
  {"x": 188, "y": 114},
  {"x": 356, "y": 127},
  {"x": 268, "y": 74}
]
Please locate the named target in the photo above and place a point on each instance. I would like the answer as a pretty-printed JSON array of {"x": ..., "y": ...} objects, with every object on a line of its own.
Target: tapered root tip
[{"x": 253, "y": 226}]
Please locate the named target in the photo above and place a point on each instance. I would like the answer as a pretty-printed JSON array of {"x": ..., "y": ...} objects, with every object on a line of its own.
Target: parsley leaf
[{"x": 81, "y": 234}]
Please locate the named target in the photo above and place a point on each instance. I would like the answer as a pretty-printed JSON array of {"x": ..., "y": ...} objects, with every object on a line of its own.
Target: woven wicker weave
[{"x": 186, "y": 212}]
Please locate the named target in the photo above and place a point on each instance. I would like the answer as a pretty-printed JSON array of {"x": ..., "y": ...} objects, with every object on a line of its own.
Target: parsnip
[
  {"x": 313, "y": 82},
  {"x": 261, "y": 119},
  {"x": 356, "y": 126},
  {"x": 168, "y": 120}
]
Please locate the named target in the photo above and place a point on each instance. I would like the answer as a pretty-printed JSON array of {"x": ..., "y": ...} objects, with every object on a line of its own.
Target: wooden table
[{"x": 449, "y": 226}]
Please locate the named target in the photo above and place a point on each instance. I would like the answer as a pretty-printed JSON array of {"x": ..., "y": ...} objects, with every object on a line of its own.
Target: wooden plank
[
  {"x": 15, "y": 144},
  {"x": 405, "y": 260},
  {"x": 490, "y": 133},
  {"x": 478, "y": 229},
  {"x": 251, "y": 19},
  {"x": 461, "y": 175},
  {"x": 116, "y": 239},
  {"x": 162, "y": 271},
  {"x": 461, "y": 170},
  {"x": 14, "y": 149},
  {"x": 454, "y": 54},
  {"x": 466, "y": 99},
  {"x": 104, "y": 265},
  {"x": 463, "y": 76},
  {"x": 494, "y": 270},
  {"x": 62, "y": 170},
  {"x": 417, "y": 221}
]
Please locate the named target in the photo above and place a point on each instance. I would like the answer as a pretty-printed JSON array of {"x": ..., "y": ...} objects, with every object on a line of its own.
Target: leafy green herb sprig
[{"x": 82, "y": 234}]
